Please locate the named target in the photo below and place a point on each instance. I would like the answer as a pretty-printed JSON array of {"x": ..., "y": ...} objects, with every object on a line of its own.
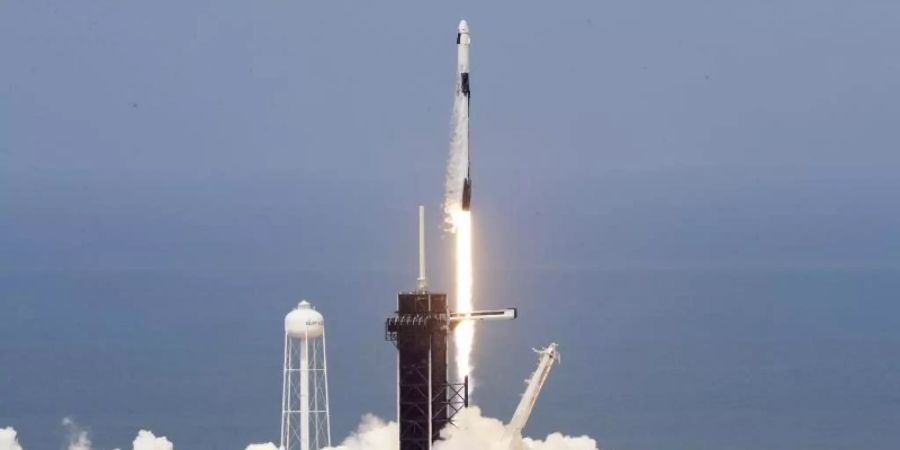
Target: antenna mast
[{"x": 422, "y": 281}]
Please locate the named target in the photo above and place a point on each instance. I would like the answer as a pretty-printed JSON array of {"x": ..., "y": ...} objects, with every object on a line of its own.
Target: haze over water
[{"x": 698, "y": 202}]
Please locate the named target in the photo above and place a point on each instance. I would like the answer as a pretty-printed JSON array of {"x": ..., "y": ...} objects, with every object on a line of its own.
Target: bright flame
[{"x": 464, "y": 335}]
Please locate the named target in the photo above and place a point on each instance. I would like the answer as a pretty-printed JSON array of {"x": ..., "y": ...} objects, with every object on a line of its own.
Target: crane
[{"x": 548, "y": 356}]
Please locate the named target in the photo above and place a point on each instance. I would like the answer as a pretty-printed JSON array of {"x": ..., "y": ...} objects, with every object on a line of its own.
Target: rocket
[
  {"x": 463, "y": 40},
  {"x": 462, "y": 89}
]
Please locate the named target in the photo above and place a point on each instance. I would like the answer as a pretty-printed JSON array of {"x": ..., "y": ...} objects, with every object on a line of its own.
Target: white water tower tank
[{"x": 304, "y": 321}]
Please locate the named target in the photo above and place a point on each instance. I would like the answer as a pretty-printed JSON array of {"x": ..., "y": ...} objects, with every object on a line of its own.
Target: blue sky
[
  {"x": 747, "y": 143},
  {"x": 726, "y": 132}
]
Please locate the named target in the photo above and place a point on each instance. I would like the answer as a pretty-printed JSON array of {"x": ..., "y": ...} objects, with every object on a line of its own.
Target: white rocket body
[
  {"x": 463, "y": 40},
  {"x": 459, "y": 181}
]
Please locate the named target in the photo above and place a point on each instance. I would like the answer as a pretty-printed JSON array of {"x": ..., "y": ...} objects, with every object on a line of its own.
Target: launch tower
[
  {"x": 426, "y": 400},
  {"x": 420, "y": 329}
]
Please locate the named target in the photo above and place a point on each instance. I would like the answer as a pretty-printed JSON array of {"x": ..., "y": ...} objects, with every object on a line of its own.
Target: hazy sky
[
  {"x": 278, "y": 133},
  {"x": 260, "y": 137}
]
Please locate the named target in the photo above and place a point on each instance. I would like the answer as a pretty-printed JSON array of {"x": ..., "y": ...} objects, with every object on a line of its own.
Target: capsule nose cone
[{"x": 463, "y": 26}]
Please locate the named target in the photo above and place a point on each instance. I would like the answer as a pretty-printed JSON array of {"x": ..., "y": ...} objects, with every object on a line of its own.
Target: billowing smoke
[
  {"x": 266, "y": 446},
  {"x": 557, "y": 441},
  {"x": 78, "y": 438},
  {"x": 8, "y": 439},
  {"x": 373, "y": 433},
  {"x": 146, "y": 440},
  {"x": 472, "y": 431}
]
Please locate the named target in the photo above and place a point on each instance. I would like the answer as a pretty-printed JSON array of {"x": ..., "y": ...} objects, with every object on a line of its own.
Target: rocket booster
[{"x": 462, "y": 89}]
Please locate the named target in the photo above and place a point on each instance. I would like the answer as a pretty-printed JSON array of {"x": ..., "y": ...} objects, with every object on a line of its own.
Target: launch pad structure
[
  {"x": 426, "y": 400},
  {"x": 421, "y": 325},
  {"x": 420, "y": 329}
]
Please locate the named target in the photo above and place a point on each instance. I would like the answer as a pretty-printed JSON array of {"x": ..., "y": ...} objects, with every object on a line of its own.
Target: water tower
[{"x": 305, "y": 423}]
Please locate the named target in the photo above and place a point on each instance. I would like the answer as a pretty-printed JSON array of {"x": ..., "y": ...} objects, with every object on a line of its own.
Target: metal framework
[
  {"x": 426, "y": 401},
  {"x": 420, "y": 328},
  {"x": 535, "y": 383},
  {"x": 305, "y": 423},
  {"x": 455, "y": 398}
]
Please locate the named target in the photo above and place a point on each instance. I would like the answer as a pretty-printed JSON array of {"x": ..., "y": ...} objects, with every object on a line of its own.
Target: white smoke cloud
[
  {"x": 78, "y": 438},
  {"x": 373, "y": 434},
  {"x": 557, "y": 441},
  {"x": 77, "y": 435},
  {"x": 8, "y": 440},
  {"x": 471, "y": 431},
  {"x": 146, "y": 440},
  {"x": 266, "y": 446}
]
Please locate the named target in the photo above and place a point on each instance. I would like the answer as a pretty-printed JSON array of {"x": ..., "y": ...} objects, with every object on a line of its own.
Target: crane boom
[{"x": 549, "y": 355}]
